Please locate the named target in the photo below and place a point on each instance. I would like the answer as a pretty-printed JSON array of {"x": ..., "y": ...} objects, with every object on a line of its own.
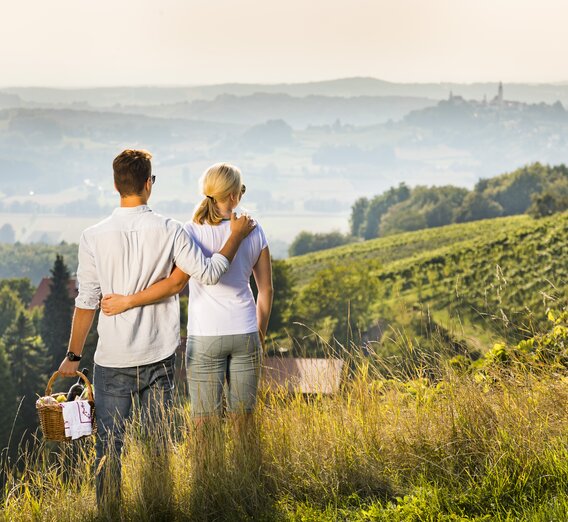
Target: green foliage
[
  {"x": 379, "y": 206},
  {"x": 58, "y": 313},
  {"x": 28, "y": 360},
  {"x": 397, "y": 247},
  {"x": 358, "y": 216},
  {"x": 283, "y": 285},
  {"x": 33, "y": 260},
  {"x": 336, "y": 303},
  {"x": 10, "y": 307},
  {"x": 23, "y": 288},
  {"x": 475, "y": 283},
  {"x": 477, "y": 206},
  {"x": 548, "y": 349},
  {"x": 499, "y": 280},
  {"x": 8, "y": 405},
  {"x": 513, "y": 191},
  {"x": 312, "y": 242},
  {"x": 537, "y": 189},
  {"x": 426, "y": 207},
  {"x": 552, "y": 200}
]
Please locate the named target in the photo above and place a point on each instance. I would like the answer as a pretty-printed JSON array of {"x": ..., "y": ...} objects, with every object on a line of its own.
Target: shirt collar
[{"x": 140, "y": 209}]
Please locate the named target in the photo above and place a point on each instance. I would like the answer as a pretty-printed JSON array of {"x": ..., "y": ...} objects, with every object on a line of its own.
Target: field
[
  {"x": 481, "y": 446},
  {"x": 388, "y": 249}
]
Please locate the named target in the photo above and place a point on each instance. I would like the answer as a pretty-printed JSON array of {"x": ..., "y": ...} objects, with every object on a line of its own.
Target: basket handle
[{"x": 87, "y": 383}]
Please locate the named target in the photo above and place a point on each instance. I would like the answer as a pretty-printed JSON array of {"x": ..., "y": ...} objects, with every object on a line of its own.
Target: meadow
[{"x": 489, "y": 444}]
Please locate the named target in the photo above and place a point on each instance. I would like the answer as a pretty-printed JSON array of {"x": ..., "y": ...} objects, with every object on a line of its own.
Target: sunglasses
[
  {"x": 243, "y": 189},
  {"x": 153, "y": 179}
]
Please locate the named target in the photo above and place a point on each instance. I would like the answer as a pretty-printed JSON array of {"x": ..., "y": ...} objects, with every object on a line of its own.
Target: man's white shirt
[{"x": 124, "y": 254}]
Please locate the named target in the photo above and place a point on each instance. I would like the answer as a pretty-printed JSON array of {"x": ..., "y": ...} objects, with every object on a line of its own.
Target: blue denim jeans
[{"x": 117, "y": 391}]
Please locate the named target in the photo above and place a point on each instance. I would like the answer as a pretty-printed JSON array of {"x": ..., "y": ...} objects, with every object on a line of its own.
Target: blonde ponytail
[{"x": 218, "y": 183}]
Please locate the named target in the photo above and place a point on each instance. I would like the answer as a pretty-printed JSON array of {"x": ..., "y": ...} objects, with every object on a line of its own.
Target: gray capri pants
[{"x": 212, "y": 360}]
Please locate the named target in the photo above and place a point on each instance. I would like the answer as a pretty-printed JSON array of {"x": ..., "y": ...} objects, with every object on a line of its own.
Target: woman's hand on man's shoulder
[{"x": 243, "y": 225}]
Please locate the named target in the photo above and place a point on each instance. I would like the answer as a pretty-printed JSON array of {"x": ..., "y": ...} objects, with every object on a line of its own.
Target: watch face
[{"x": 73, "y": 357}]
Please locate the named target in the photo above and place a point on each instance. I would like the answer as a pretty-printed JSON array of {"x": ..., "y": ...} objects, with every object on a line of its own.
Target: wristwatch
[{"x": 73, "y": 356}]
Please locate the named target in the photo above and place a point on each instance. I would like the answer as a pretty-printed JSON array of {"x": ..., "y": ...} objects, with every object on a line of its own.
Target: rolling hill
[{"x": 496, "y": 276}]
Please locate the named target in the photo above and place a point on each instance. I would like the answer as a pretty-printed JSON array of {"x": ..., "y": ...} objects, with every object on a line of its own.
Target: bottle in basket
[{"x": 77, "y": 389}]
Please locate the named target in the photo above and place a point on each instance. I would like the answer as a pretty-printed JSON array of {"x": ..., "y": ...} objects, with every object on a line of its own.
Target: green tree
[
  {"x": 554, "y": 199},
  {"x": 403, "y": 219},
  {"x": 33, "y": 260},
  {"x": 358, "y": 215},
  {"x": 302, "y": 244},
  {"x": 379, "y": 206},
  {"x": 58, "y": 312},
  {"x": 28, "y": 360},
  {"x": 10, "y": 307},
  {"x": 337, "y": 302},
  {"x": 8, "y": 403},
  {"x": 477, "y": 206},
  {"x": 514, "y": 191},
  {"x": 283, "y": 295},
  {"x": 22, "y": 286},
  {"x": 306, "y": 242},
  {"x": 426, "y": 207}
]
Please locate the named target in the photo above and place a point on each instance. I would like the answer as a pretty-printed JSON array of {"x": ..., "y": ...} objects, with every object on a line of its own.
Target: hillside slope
[
  {"x": 400, "y": 246},
  {"x": 496, "y": 276}
]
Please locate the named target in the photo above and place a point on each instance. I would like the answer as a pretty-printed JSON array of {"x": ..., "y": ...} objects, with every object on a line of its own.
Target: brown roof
[
  {"x": 43, "y": 291},
  {"x": 303, "y": 375}
]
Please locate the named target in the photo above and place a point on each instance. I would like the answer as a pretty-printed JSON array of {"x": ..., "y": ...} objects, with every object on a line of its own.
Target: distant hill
[
  {"x": 9, "y": 100},
  {"x": 62, "y": 141},
  {"x": 345, "y": 87},
  {"x": 252, "y": 109}
]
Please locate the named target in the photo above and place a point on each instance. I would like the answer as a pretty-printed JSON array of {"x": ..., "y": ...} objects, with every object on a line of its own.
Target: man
[{"x": 135, "y": 355}]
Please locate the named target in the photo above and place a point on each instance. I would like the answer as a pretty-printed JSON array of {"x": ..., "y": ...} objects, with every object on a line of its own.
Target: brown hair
[
  {"x": 132, "y": 168},
  {"x": 218, "y": 183}
]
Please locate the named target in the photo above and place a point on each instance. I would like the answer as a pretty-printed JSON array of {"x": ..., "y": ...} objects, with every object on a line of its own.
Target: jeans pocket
[{"x": 120, "y": 382}]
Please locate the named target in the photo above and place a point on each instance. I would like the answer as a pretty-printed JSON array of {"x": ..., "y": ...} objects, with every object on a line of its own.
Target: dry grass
[{"x": 490, "y": 446}]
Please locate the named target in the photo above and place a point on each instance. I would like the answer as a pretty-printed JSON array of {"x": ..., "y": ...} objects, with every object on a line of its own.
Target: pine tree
[
  {"x": 28, "y": 360},
  {"x": 358, "y": 216},
  {"x": 8, "y": 403},
  {"x": 58, "y": 313}
]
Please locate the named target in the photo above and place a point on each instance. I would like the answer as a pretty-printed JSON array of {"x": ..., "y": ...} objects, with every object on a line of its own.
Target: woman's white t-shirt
[{"x": 227, "y": 308}]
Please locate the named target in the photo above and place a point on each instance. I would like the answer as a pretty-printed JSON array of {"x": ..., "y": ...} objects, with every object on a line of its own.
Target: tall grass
[{"x": 465, "y": 446}]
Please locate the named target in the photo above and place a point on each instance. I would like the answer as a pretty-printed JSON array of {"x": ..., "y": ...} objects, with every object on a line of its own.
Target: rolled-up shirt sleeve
[
  {"x": 189, "y": 258},
  {"x": 89, "y": 286}
]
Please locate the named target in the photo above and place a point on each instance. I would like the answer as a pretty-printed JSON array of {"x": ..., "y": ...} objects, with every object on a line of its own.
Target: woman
[{"x": 226, "y": 329}]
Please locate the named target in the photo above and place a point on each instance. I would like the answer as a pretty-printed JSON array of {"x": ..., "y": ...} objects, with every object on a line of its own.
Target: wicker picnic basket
[{"x": 51, "y": 415}]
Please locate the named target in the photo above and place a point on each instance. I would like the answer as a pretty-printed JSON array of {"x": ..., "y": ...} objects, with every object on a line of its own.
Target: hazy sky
[{"x": 174, "y": 42}]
